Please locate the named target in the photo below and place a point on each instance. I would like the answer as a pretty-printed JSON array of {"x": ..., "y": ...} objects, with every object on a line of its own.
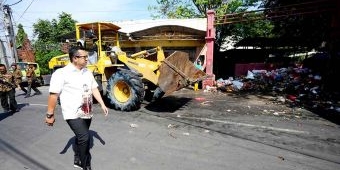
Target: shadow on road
[
  {"x": 4, "y": 115},
  {"x": 71, "y": 142},
  {"x": 168, "y": 104},
  {"x": 328, "y": 114},
  {"x": 26, "y": 159},
  {"x": 321, "y": 109}
]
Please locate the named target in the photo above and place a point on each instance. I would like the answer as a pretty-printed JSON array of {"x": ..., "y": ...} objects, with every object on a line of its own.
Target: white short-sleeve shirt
[{"x": 69, "y": 83}]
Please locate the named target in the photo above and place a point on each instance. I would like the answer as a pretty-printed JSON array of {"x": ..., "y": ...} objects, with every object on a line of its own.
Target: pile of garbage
[{"x": 298, "y": 86}]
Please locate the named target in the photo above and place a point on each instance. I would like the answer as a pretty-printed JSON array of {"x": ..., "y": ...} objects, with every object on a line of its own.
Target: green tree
[
  {"x": 49, "y": 37},
  {"x": 43, "y": 57},
  {"x": 199, "y": 8},
  {"x": 307, "y": 22},
  {"x": 21, "y": 35},
  {"x": 174, "y": 9},
  {"x": 43, "y": 30},
  {"x": 310, "y": 24}
]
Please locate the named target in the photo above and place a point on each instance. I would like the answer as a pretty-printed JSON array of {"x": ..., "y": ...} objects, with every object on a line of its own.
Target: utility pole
[
  {"x": 3, "y": 54},
  {"x": 9, "y": 27},
  {"x": 3, "y": 51}
]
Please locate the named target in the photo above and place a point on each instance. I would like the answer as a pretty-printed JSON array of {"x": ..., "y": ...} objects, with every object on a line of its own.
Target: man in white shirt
[{"x": 75, "y": 85}]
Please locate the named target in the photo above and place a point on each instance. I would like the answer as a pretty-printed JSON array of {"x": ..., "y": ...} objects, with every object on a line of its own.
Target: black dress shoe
[
  {"x": 77, "y": 163},
  {"x": 88, "y": 168},
  {"x": 14, "y": 111}
]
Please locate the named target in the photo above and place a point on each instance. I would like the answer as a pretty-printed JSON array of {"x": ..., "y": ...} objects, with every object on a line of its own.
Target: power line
[
  {"x": 25, "y": 10},
  {"x": 15, "y": 3}
]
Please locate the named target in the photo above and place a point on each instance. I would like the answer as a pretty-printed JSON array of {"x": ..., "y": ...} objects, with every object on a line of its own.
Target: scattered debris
[
  {"x": 133, "y": 125},
  {"x": 173, "y": 126},
  {"x": 207, "y": 103},
  {"x": 186, "y": 133},
  {"x": 148, "y": 134},
  {"x": 170, "y": 134},
  {"x": 210, "y": 89},
  {"x": 294, "y": 86},
  {"x": 199, "y": 98},
  {"x": 281, "y": 158}
]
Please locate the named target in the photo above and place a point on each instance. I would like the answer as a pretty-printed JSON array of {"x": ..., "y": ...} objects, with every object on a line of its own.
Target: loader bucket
[{"x": 177, "y": 71}]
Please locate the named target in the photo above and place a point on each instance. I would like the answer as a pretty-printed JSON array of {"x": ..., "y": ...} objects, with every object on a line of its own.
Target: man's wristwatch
[{"x": 49, "y": 116}]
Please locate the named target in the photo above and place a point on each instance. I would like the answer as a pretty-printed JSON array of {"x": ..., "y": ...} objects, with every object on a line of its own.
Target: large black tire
[{"x": 125, "y": 91}]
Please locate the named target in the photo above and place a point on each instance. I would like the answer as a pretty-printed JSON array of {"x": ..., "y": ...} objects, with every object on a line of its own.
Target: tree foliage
[
  {"x": 309, "y": 24},
  {"x": 198, "y": 8},
  {"x": 43, "y": 57},
  {"x": 174, "y": 9},
  {"x": 21, "y": 35},
  {"x": 49, "y": 36},
  {"x": 54, "y": 30}
]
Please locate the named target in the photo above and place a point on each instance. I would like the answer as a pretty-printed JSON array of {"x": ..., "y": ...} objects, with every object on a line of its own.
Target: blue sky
[{"x": 27, "y": 12}]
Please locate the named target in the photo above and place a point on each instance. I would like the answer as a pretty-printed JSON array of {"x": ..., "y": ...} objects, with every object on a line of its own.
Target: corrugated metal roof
[{"x": 138, "y": 25}]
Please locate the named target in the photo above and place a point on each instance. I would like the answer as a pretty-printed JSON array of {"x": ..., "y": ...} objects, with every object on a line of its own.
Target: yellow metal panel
[
  {"x": 58, "y": 61},
  {"x": 77, "y": 32},
  {"x": 146, "y": 67}
]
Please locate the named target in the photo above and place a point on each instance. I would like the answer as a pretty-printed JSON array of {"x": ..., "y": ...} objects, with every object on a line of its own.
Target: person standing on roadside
[
  {"x": 7, "y": 90},
  {"x": 75, "y": 85},
  {"x": 31, "y": 80},
  {"x": 18, "y": 77}
]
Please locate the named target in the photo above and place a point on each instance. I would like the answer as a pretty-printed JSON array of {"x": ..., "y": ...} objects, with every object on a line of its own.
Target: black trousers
[
  {"x": 22, "y": 88},
  {"x": 4, "y": 96},
  {"x": 81, "y": 127},
  {"x": 32, "y": 86}
]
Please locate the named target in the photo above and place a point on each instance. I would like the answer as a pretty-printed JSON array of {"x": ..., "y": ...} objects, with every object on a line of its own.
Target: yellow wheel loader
[{"x": 128, "y": 79}]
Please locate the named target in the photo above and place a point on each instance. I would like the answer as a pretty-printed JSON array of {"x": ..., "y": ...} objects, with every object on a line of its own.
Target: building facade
[{"x": 186, "y": 35}]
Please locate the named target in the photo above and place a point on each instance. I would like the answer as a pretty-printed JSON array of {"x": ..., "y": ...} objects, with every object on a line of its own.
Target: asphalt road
[{"x": 187, "y": 130}]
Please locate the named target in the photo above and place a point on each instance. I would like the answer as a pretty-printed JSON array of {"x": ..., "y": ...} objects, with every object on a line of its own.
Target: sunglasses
[{"x": 84, "y": 57}]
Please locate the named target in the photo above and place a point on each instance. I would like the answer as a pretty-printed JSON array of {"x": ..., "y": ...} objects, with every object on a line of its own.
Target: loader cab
[{"x": 96, "y": 36}]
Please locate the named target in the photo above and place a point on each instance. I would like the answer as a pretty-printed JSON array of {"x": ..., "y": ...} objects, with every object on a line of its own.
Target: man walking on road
[
  {"x": 31, "y": 80},
  {"x": 18, "y": 77},
  {"x": 7, "y": 90},
  {"x": 75, "y": 85}
]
